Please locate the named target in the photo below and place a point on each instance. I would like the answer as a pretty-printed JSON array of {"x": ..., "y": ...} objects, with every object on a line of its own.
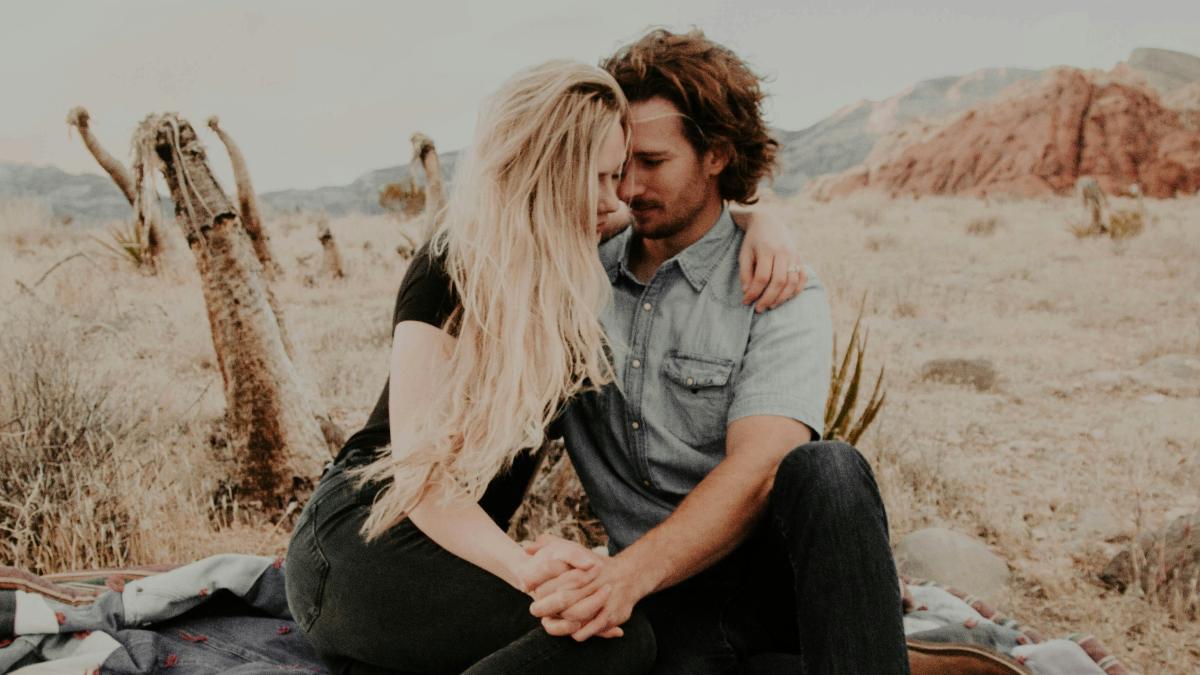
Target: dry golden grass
[{"x": 1058, "y": 467}]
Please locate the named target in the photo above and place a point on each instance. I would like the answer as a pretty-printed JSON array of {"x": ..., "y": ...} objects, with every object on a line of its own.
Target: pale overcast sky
[{"x": 317, "y": 93}]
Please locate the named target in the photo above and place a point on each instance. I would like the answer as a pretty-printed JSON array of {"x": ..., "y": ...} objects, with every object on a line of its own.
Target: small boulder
[
  {"x": 953, "y": 559},
  {"x": 978, "y": 373}
]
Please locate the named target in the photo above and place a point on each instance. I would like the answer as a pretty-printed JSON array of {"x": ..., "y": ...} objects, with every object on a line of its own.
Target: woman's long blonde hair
[{"x": 519, "y": 242}]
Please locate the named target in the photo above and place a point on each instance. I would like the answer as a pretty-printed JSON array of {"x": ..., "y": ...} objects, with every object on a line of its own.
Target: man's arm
[{"x": 709, "y": 523}]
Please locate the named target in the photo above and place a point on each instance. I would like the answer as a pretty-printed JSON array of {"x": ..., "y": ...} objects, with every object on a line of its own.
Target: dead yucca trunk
[
  {"x": 252, "y": 223},
  {"x": 845, "y": 383},
  {"x": 273, "y": 429},
  {"x": 331, "y": 262},
  {"x": 248, "y": 202},
  {"x": 79, "y": 118},
  {"x": 425, "y": 155},
  {"x": 1094, "y": 202}
]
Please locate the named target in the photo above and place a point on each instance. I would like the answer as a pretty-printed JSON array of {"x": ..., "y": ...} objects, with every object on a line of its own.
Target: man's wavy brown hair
[{"x": 715, "y": 90}]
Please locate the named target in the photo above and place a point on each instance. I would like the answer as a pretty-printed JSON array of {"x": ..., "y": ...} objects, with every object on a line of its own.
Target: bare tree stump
[
  {"x": 331, "y": 263},
  {"x": 425, "y": 155},
  {"x": 248, "y": 202},
  {"x": 1094, "y": 202},
  {"x": 79, "y": 117},
  {"x": 274, "y": 432}
]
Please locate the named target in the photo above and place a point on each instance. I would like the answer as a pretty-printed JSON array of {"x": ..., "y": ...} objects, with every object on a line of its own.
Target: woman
[{"x": 400, "y": 560}]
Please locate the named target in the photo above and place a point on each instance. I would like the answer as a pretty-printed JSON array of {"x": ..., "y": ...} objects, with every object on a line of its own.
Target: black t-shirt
[{"x": 427, "y": 294}]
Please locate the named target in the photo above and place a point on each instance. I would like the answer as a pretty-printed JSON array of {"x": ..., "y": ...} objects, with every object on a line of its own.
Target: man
[{"x": 745, "y": 539}]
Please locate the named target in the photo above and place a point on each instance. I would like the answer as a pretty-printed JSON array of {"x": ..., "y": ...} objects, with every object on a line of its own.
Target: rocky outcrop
[
  {"x": 847, "y": 137},
  {"x": 1038, "y": 139}
]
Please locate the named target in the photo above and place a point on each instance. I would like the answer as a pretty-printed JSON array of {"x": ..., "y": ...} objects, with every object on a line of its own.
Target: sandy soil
[{"x": 1073, "y": 452}]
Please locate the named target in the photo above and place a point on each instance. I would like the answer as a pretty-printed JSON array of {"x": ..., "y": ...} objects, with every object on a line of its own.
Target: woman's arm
[
  {"x": 769, "y": 262},
  {"x": 420, "y": 353}
]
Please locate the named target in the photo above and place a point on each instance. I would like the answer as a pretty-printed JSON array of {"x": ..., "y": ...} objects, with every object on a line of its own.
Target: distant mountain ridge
[
  {"x": 837, "y": 143},
  {"x": 845, "y": 138}
]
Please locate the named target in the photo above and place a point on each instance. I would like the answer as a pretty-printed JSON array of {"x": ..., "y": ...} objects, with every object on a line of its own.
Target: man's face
[{"x": 666, "y": 184}]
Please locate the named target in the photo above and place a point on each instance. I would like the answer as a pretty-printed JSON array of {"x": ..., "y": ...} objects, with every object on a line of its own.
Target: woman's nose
[{"x": 609, "y": 202}]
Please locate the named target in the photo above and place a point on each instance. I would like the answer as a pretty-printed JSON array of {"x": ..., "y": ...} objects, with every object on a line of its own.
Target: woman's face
[{"x": 609, "y": 164}]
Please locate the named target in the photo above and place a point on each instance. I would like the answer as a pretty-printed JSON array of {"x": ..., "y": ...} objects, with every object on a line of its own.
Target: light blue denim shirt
[{"x": 689, "y": 359}]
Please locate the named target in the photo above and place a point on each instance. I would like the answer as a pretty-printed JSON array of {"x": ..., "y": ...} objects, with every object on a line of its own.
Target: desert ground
[{"x": 1077, "y": 447}]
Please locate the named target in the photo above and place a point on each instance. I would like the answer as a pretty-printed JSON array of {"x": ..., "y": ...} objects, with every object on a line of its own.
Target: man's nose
[{"x": 628, "y": 187}]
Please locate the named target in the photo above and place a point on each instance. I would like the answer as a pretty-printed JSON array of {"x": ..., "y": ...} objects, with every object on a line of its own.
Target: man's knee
[{"x": 823, "y": 470}]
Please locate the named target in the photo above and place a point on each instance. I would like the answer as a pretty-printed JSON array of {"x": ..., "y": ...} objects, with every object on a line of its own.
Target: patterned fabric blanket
[{"x": 228, "y": 613}]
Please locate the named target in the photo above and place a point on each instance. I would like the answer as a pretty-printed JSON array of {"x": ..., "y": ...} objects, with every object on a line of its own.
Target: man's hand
[
  {"x": 769, "y": 261},
  {"x": 564, "y": 569},
  {"x": 585, "y": 603}
]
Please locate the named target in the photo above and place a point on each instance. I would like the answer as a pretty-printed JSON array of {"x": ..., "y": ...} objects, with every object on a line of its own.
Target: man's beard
[{"x": 672, "y": 224}]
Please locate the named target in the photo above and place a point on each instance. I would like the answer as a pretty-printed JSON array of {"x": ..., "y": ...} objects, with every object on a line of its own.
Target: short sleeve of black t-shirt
[{"x": 427, "y": 295}]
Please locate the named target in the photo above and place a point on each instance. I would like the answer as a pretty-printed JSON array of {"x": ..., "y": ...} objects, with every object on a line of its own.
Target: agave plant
[
  {"x": 845, "y": 384},
  {"x": 131, "y": 243}
]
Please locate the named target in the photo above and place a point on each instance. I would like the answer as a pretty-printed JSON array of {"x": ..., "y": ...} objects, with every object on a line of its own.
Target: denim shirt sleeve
[{"x": 786, "y": 367}]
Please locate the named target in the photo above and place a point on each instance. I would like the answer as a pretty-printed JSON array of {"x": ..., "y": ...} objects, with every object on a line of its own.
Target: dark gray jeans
[
  {"x": 813, "y": 590},
  {"x": 403, "y": 604}
]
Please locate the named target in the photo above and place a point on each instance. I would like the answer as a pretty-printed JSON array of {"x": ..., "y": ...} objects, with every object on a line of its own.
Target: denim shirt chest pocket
[{"x": 696, "y": 395}]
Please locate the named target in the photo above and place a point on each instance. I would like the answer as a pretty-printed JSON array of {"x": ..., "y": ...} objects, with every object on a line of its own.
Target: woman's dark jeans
[{"x": 404, "y": 604}]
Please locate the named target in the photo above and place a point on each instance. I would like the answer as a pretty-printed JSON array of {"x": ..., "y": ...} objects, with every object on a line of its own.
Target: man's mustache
[{"x": 642, "y": 205}]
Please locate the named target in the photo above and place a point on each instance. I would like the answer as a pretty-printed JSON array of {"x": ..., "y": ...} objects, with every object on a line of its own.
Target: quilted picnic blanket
[{"x": 229, "y": 614}]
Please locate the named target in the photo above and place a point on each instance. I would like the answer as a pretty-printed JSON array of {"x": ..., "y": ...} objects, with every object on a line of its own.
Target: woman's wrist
[{"x": 512, "y": 566}]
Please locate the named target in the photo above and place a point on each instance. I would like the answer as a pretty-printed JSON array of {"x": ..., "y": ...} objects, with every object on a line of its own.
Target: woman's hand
[
  {"x": 769, "y": 262},
  {"x": 562, "y": 572}
]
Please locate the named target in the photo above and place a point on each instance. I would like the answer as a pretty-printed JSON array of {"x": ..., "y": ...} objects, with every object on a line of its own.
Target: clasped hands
[{"x": 578, "y": 592}]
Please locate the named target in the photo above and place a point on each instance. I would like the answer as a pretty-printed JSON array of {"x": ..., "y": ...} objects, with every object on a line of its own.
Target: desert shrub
[
  {"x": 875, "y": 244},
  {"x": 127, "y": 242},
  {"x": 845, "y": 384},
  {"x": 62, "y": 489},
  {"x": 983, "y": 226},
  {"x": 406, "y": 199},
  {"x": 1124, "y": 224},
  {"x": 867, "y": 214}
]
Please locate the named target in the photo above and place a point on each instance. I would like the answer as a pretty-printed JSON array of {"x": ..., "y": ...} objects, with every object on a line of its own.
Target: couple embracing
[{"x": 739, "y": 540}]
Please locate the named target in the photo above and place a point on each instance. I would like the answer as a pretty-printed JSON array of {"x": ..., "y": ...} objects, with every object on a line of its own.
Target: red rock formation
[{"x": 1039, "y": 139}]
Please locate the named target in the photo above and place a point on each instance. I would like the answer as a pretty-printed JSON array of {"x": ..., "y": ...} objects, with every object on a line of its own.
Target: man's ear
[{"x": 715, "y": 159}]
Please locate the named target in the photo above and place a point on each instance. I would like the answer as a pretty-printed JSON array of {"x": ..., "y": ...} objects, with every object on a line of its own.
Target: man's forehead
[
  {"x": 653, "y": 110},
  {"x": 654, "y": 122}
]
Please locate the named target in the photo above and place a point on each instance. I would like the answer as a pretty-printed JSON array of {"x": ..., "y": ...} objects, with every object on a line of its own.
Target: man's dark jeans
[
  {"x": 813, "y": 590},
  {"x": 403, "y": 604}
]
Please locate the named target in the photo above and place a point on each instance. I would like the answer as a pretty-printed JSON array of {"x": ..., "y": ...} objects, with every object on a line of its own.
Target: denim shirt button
[
  {"x": 647, "y": 307},
  {"x": 691, "y": 381},
  {"x": 636, "y": 363},
  {"x": 635, "y": 425}
]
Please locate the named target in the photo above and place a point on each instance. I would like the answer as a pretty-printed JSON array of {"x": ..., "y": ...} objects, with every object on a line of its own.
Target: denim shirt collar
[{"x": 696, "y": 261}]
